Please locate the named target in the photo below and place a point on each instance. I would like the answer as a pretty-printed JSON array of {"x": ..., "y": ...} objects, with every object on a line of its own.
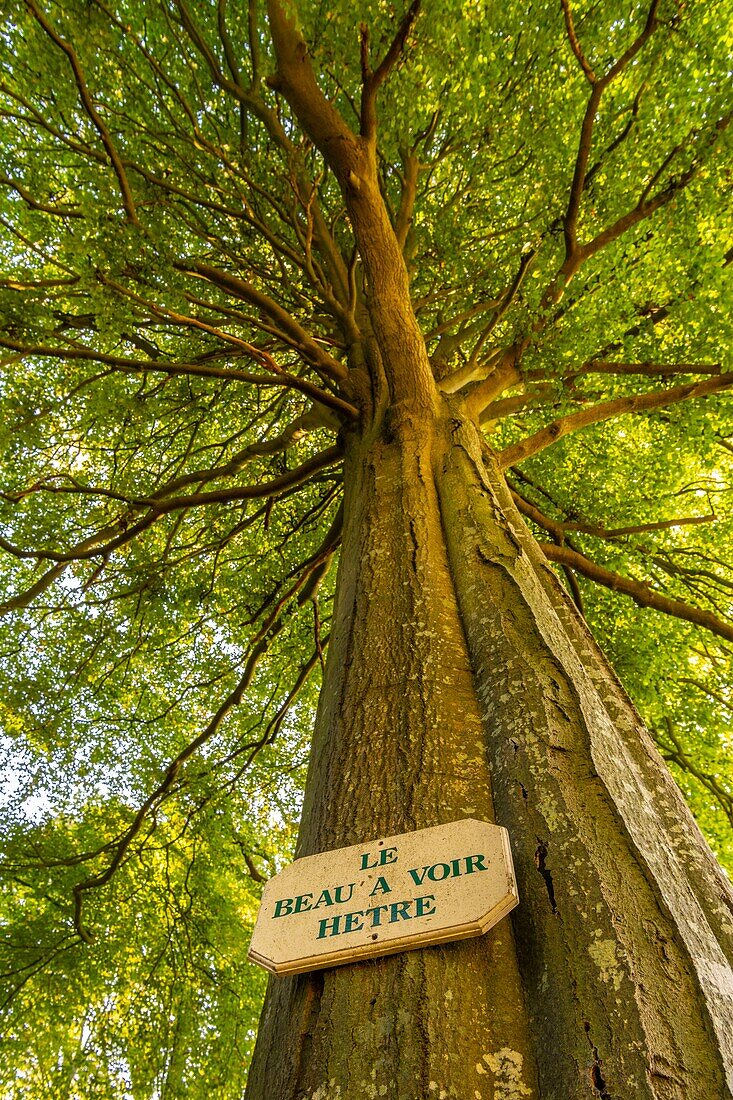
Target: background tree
[{"x": 248, "y": 266}]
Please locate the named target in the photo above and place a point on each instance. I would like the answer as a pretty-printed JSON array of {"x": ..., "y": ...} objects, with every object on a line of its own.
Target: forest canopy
[{"x": 183, "y": 332}]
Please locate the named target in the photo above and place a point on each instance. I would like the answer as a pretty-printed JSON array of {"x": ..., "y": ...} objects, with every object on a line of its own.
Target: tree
[{"x": 413, "y": 290}]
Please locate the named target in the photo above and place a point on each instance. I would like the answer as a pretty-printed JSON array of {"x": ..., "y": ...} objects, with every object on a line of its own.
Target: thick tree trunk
[{"x": 460, "y": 683}]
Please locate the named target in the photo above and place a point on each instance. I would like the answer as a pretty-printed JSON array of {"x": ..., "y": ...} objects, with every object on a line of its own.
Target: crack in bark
[
  {"x": 597, "y": 1078},
  {"x": 414, "y": 549},
  {"x": 314, "y": 982},
  {"x": 596, "y": 1074},
  {"x": 539, "y": 857}
]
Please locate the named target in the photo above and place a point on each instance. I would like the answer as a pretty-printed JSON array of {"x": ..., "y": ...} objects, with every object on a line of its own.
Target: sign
[{"x": 445, "y": 883}]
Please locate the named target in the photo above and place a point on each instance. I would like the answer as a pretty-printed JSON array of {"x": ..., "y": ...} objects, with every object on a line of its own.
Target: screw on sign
[{"x": 393, "y": 894}]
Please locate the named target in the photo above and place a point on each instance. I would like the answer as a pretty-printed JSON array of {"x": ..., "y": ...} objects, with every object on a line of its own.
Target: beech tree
[{"x": 370, "y": 356}]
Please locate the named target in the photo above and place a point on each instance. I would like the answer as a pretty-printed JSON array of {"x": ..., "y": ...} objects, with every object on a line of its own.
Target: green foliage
[{"x": 161, "y": 649}]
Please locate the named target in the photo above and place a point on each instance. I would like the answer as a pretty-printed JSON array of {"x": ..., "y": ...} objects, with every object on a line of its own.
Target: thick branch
[
  {"x": 570, "y": 223},
  {"x": 640, "y": 593},
  {"x": 258, "y": 354},
  {"x": 506, "y": 406},
  {"x": 403, "y": 220},
  {"x": 322, "y": 122},
  {"x": 403, "y": 357},
  {"x": 504, "y": 374},
  {"x": 606, "y": 411}
]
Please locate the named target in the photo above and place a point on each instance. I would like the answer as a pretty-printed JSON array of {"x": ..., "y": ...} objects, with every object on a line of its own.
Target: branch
[
  {"x": 504, "y": 373},
  {"x": 372, "y": 81},
  {"x": 679, "y": 757},
  {"x": 403, "y": 219},
  {"x": 229, "y": 52},
  {"x": 88, "y": 104},
  {"x": 138, "y": 366},
  {"x": 252, "y": 867},
  {"x": 557, "y": 530},
  {"x": 25, "y": 599},
  {"x": 646, "y": 207},
  {"x": 59, "y": 211},
  {"x": 726, "y": 703},
  {"x": 264, "y": 359},
  {"x": 470, "y": 372},
  {"x": 279, "y": 377},
  {"x": 574, "y": 589},
  {"x": 156, "y": 508},
  {"x": 296, "y": 477},
  {"x": 246, "y": 292},
  {"x": 598, "y": 87},
  {"x": 303, "y": 590},
  {"x": 560, "y": 529},
  {"x": 354, "y": 163},
  {"x": 160, "y": 792},
  {"x": 648, "y": 369},
  {"x": 553, "y": 526},
  {"x": 575, "y": 44},
  {"x": 320, "y": 119},
  {"x": 250, "y": 101},
  {"x": 640, "y": 593},
  {"x": 555, "y": 431},
  {"x": 620, "y": 137},
  {"x": 273, "y": 726},
  {"x": 639, "y": 528},
  {"x": 508, "y": 405},
  {"x": 208, "y": 54},
  {"x": 308, "y": 422}
]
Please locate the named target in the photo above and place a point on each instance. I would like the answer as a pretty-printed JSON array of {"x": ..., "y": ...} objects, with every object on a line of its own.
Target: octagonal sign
[{"x": 392, "y": 894}]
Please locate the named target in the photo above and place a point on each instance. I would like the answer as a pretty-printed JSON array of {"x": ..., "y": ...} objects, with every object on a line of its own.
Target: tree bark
[{"x": 460, "y": 682}]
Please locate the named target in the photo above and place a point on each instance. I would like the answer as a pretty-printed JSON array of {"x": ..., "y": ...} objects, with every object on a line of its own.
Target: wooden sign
[{"x": 445, "y": 883}]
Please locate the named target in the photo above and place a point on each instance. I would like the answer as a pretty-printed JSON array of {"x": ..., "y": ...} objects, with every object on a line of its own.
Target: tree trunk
[{"x": 461, "y": 683}]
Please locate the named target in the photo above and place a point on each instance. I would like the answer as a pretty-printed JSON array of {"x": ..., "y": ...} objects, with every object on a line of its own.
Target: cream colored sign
[{"x": 387, "y": 895}]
